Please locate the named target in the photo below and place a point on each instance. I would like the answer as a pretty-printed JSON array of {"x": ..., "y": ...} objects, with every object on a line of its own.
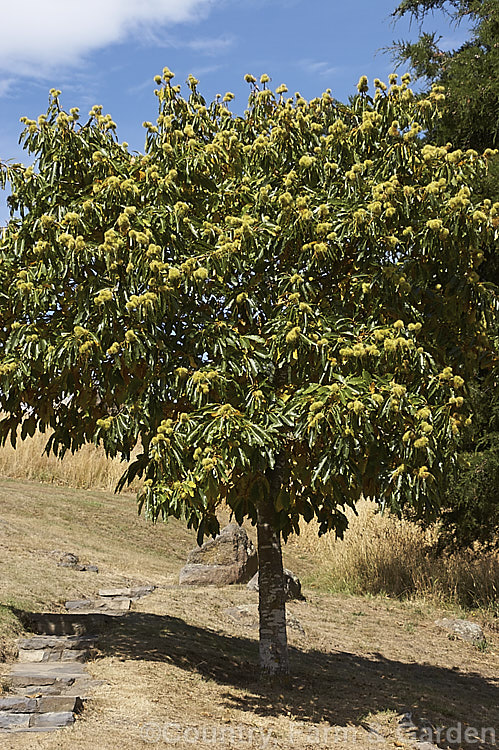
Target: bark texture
[{"x": 272, "y": 606}]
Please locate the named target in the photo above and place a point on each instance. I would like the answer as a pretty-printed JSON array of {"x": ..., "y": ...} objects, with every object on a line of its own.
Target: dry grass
[
  {"x": 383, "y": 555},
  {"x": 87, "y": 469},
  {"x": 379, "y": 554},
  {"x": 178, "y": 658}
]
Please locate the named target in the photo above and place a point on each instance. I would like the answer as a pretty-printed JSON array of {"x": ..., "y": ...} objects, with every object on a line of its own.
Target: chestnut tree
[{"x": 280, "y": 307}]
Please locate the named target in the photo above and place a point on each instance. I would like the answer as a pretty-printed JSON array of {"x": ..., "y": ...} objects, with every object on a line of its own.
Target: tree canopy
[{"x": 281, "y": 307}]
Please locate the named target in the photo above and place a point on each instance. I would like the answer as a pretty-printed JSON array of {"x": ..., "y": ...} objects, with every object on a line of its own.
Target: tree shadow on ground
[{"x": 336, "y": 687}]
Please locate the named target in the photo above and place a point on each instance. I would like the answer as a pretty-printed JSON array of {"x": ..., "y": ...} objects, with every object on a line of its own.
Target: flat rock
[
  {"x": 229, "y": 558},
  {"x": 52, "y": 719},
  {"x": 78, "y": 604},
  {"x": 78, "y": 689},
  {"x": 56, "y": 643},
  {"x": 107, "y": 611},
  {"x": 49, "y": 672},
  {"x": 39, "y": 684},
  {"x": 14, "y": 720},
  {"x": 18, "y": 704},
  {"x": 34, "y": 656},
  {"x": 21, "y": 704},
  {"x": 46, "y": 673},
  {"x": 70, "y": 654},
  {"x": 121, "y": 604},
  {"x": 292, "y": 585},
  {"x": 59, "y": 703},
  {"x": 59, "y": 668},
  {"x": 130, "y": 593},
  {"x": 53, "y": 690},
  {"x": 463, "y": 629},
  {"x": 209, "y": 575},
  {"x": 67, "y": 559},
  {"x": 115, "y": 592}
]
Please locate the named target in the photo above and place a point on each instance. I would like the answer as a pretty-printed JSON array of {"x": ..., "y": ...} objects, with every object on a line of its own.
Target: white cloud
[
  {"x": 213, "y": 46},
  {"x": 5, "y": 85},
  {"x": 40, "y": 35},
  {"x": 318, "y": 68},
  {"x": 207, "y": 70}
]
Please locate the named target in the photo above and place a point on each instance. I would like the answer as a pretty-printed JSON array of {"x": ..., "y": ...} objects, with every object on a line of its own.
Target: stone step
[
  {"x": 55, "y": 648},
  {"x": 57, "y": 643},
  {"x": 23, "y": 722},
  {"x": 59, "y": 704},
  {"x": 14, "y": 721},
  {"x": 78, "y": 689},
  {"x": 53, "y": 719},
  {"x": 18, "y": 704},
  {"x": 33, "y": 656},
  {"x": 65, "y": 623},
  {"x": 23, "y": 704},
  {"x": 49, "y": 667},
  {"x": 46, "y": 673},
  {"x": 131, "y": 593}
]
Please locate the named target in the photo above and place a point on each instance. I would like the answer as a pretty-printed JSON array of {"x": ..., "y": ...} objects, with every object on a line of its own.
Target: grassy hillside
[
  {"x": 380, "y": 554},
  {"x": 88, "y": 468},
  {"x": 178, "y": 664}
]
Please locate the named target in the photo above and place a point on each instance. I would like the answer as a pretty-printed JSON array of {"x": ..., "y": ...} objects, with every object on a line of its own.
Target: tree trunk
[{"x": 272, "y": 608}]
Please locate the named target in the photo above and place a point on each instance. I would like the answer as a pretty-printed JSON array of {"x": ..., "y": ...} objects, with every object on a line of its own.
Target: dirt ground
[{"x": 179, "y": 672}]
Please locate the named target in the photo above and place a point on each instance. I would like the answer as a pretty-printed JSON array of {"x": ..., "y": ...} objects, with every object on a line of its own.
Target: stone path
[{"x": 49, "y": 684}]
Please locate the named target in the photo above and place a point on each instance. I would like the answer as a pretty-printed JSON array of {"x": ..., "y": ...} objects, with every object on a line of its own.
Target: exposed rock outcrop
[
  {"x": 292, "y": 585},
  {"x": 227, "y": 559}
]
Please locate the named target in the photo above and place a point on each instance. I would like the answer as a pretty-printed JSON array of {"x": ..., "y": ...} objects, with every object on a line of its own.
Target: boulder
[
  {"x": 68, "y": 560},
  {"x": 292, "y": 585},
  {"x": 227, "y": 559},
  {"x": 463, "y": 629}
]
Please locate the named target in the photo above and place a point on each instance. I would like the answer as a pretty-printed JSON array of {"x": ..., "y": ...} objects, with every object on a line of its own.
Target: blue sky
[{"x": 108, "y": 51}]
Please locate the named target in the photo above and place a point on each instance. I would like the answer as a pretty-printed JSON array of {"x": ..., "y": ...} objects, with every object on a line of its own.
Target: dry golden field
[{"x": 379, "y": 555}]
